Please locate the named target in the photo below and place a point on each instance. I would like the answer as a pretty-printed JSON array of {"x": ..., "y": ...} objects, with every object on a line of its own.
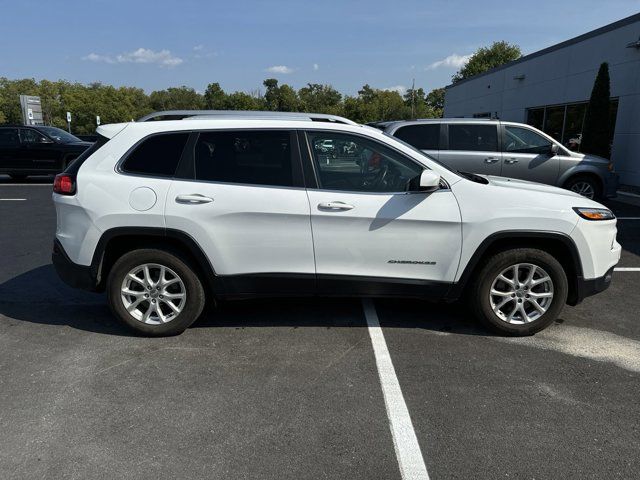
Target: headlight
[{"x": 594, "y": 213}]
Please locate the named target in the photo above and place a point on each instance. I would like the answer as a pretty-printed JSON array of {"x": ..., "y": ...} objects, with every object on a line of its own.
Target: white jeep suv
[{"x": 179, "y": 207}]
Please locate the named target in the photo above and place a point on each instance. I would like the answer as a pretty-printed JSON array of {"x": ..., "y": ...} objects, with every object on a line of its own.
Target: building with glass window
[{"x": 549, "y": 89}]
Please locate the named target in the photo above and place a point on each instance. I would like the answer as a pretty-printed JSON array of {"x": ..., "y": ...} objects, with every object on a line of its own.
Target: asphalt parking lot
[{"x": 291, "y": 388}]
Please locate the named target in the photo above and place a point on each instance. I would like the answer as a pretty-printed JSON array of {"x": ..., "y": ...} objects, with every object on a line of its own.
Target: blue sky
[{"x": 155, "y": 44}]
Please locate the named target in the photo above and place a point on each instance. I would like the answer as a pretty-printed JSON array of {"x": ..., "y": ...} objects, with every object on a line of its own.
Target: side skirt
[{"x": 277, "y": 284}]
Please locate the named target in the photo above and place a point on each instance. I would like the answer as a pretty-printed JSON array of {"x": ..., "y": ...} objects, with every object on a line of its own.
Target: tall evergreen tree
[{"x": 596, "y": 133}]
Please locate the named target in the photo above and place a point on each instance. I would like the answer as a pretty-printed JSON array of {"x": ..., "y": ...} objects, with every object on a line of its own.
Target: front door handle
[
  {"x": 491, "y": 160},
  {"x": 510, "y": 161},
  {"x": 336, "y": 206},
  {"x": 193, "y": 199}
]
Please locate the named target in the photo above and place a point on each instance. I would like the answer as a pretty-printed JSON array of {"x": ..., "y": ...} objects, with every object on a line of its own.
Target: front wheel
[
  {"x": 585, "y": 185},
  {"x": 155, "y": 292},
  {"x": 519, "y": 292}
]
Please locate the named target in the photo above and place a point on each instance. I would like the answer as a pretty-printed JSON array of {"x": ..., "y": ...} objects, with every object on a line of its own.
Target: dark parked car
[{"x": 37, "y": 150}]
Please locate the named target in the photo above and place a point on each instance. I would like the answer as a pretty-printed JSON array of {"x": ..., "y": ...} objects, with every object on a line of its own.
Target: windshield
[
  {"x": 421, "y": 153},
  {"x": 60, "y": 135}
]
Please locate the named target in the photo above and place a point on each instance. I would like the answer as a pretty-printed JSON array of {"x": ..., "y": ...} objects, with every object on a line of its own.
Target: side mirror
[
  {"x": 427, "y": 181},
  {"x": 554, "y": 149}
]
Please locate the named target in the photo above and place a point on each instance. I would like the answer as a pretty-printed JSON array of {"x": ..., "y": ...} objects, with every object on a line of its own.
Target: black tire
[
  {"x": 193, "y": 303},
  {"x": 480, "y": 298},
  {"x": 18, "y": 178},
  {"x": 592, "y": 181}
]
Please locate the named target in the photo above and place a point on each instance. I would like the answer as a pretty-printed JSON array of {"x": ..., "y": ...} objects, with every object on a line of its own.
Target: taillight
[{"x": 64, "y": 184}]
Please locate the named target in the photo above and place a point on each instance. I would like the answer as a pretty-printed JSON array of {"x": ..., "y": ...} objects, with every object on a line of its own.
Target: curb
[{"x": 628, "y": 198}]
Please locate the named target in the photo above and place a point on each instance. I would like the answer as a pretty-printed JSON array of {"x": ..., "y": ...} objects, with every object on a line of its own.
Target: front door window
[{"x": 352, "y": 163}]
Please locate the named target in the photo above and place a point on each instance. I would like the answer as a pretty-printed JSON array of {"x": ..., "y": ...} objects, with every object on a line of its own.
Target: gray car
[{"x": 507, "y": 149}]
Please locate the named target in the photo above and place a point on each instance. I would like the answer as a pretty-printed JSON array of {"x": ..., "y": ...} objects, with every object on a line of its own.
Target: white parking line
[
  {"x": 626, "y": 269},
  {"x": 12, "y": 199},
  {"x": 408, "y": 452}
]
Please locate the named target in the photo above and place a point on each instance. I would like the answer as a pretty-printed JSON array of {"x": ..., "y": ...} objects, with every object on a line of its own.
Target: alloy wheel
[
  {"x": 153, "y": 294},
  {"x": 521, "y": 293},
  {"x": 584, "y": 188}
]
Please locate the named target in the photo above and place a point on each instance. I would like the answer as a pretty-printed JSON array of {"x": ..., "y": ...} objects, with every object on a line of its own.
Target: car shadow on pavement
[{"x": 39, "y": 296}]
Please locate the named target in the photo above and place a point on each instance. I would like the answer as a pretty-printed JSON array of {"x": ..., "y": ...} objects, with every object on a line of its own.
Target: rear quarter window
[{"x": 157, "y": 155}]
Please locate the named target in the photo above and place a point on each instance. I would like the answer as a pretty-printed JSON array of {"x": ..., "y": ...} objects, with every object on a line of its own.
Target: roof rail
[{"x": 256, "y": 114}]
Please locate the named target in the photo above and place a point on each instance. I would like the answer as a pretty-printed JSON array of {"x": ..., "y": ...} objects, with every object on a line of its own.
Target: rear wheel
[
  {"x": 585, "y": 185},
  {"x": 155, "y": 292},
  {"x": 519, "y": 292}
]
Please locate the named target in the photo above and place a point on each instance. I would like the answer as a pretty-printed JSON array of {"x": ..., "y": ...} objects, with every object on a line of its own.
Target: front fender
[{"x": 585, "y": 167}]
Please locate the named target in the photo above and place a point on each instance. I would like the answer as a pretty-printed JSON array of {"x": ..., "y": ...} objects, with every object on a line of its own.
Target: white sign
[
  {"x": 68, "y": 116},
  {"x": 30, "y": 113},
  {"x": 98, "y": 120}
]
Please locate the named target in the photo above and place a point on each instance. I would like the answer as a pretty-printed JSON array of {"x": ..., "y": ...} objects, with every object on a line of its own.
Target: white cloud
[
  {"x": 200, "y": 51},
  {"x": 94, "y": 57},
  {"x": 146, "y": 55},
  {"x": 401, "y": 89},
  {"x": 279, "y": 69},
  {"x": 316, "y": 67},
  {"x": 164, "y": 58},
  {"x": 452, "y": 61}
]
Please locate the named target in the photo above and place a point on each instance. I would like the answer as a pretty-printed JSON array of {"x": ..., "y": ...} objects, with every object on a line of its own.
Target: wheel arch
[
  {"x": 117, "y": 241},
  {"x": 558, "y": 244},
  {"x": 590, "y": 173}
]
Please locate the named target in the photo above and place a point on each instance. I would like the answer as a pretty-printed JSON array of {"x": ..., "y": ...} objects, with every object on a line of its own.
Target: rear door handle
[
  {"x": 491, "y": 159},
  {"x": 510, "y": 161},
  {"x": 337, "y": 206},
  {"x": 193, "y": 199}
]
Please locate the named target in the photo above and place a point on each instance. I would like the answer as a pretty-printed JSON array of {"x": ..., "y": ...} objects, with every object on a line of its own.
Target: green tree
[
  {"x": 435, "y": 101},
  {"x": 11, "y": 91},
  {"x": 486, "y": 58},
  {"x": 176, "y": 98},
  {"x": 214, "y": 97},
  {"x": 243, "y": 101},
  {"x": 418, "y": 106},
  {"x": 596, "y": 133},
  {"x": 373, "y": 104},
  {"x": 319, "y": 98},
  {"x": 271, "y": 93},
  {"x": 282, "y": 98}
]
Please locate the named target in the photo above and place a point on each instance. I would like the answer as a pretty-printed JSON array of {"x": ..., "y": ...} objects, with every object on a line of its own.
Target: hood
[
  {"x": 590, "y": 158},
  {"x": 526, "y": 185},
  {"x": 561, "y": 197}
]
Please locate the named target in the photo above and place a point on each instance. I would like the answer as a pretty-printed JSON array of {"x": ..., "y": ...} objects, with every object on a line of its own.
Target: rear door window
[
  {"x": 422, "y": 137},
  {"x": 470, "y": 137},
  {"x": 247, "y": 157},
  {"x": 157, "y": 155}
]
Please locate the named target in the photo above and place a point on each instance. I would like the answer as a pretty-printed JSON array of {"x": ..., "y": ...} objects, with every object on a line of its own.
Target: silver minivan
[{"x": 507, "y": 149}]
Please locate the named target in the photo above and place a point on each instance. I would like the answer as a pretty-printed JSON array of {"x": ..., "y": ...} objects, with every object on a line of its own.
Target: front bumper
[
  {"x": 592, "y": 286},
  {"x": 74, "y": 275}
]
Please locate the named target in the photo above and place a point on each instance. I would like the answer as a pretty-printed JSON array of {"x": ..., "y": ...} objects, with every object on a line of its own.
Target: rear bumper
[
  {"x": 592, "y": 286},
  {"x": 74, "y": 275}
]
